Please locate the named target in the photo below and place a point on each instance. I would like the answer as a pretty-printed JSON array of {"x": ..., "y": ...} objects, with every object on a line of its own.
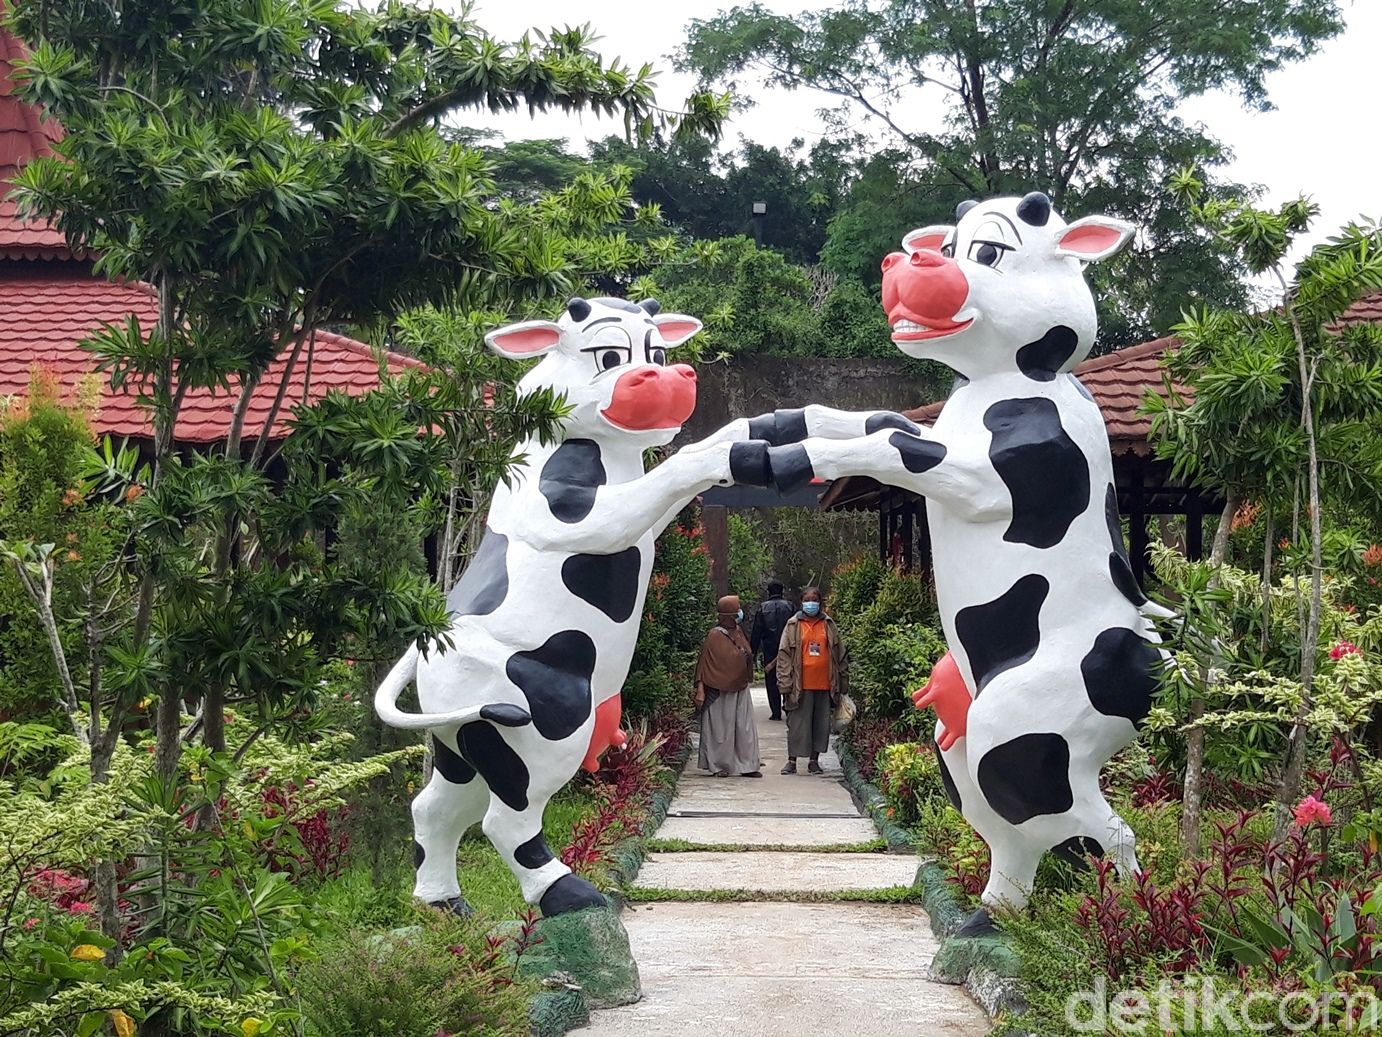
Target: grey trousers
[{"x": 808, "y": 726}]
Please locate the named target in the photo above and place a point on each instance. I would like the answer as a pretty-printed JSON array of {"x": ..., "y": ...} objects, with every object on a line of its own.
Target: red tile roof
[
  {"x": 1368, "y": 309},
  {"x": 25, "y": 133},
  {"x": 47, "y": 309}
]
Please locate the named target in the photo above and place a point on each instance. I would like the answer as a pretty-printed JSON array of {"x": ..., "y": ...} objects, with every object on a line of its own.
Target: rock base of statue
[{"x": 585, "y": 954}]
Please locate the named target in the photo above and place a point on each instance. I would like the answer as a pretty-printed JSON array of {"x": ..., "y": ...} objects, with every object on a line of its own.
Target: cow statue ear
[
  {"x": 1093, "y": 238},
  {"x": 926, "y": 237},
  {"x": 524, "y": 340},
  {"x": 676, "y": 328}
]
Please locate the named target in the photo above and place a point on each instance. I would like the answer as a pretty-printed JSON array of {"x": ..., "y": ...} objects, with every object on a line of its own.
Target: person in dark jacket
[{"x": 767, "y": 635}]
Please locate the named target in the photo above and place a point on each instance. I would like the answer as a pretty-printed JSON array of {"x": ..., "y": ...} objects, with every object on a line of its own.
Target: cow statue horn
[
  {"x": 1053, "y": 658},
  {"x": 651, "y": 307},
  {"x": 578, "y": 308}
]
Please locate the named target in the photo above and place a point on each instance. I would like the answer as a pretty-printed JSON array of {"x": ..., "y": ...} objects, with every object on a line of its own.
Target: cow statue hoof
[
  {"x": 570, "y": 893},
  {"x": 976, "y": 925},
  {"x": 453, "y": 905}
]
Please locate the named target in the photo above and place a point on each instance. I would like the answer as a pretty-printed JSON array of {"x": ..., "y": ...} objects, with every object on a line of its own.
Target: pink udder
[
  {"x": 947, "y": 694},
  {"x": 606, "y": 733}
]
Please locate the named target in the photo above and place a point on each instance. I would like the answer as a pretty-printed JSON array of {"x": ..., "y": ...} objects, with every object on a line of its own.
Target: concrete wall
[{"x": 743, "y": 388}]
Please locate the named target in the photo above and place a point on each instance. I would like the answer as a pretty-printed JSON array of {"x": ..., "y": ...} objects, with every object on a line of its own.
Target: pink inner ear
[
  {"x": 1090, "y": 240},
  {"x": 921, "y": 241},
  {"x": 527, "y": 340},
  {"x": 676, "y": 330}
]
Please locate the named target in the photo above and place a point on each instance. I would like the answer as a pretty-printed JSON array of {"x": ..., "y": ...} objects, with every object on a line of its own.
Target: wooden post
[
  {"x": 1194, "y": 527},
  {"x": 908, "y": 510},
  {"x": 883, "y": 526},
  {"x": 715, "y": 522},
  {"x": 1137, "y": 526}
]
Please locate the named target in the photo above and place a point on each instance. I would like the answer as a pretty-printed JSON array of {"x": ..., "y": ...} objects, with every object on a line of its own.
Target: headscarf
[{"x": 726, "y": 661}]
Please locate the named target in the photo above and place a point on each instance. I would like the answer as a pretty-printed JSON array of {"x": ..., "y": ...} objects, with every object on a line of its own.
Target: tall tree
[{"x": 1075, "y": 99}]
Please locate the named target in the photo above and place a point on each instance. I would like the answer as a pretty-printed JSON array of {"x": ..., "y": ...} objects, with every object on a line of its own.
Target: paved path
[{"x": 767, "y": 967}]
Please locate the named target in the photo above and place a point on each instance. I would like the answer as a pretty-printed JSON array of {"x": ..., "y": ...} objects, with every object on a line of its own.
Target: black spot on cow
[
  {"x": 534, "y": 853},
  {"x": 1121, "y": 574},
  {"x": 570, "y": 479},
  {"x": 569, "y": 893},
  {"x": 505, "y": 714},
  {"x": 1120, "y": 565},
  {"x": 947, "y": 782},
  {"x": 618, "y": 304},
  {"x": 1042, "y": 360},
  {"x": 887, "y": 419},
  {"x": 609, "y": 582},
  {"x": 963, "y": 208},
  {"x": 451, "y": 767},
  {"x": 1027, "y": 777},
  {"x": 419, "y": 854},
  {"x": 1045, "y": 472},
  {"x": 780, "y": 427},
  {"x": 485, "y": 582},
  {"x": 555, "y": 677},
  {"x": 503, "y": 769},
  {"x": 1004, "y": 632},
  {"x": 1121, "y": 673},
  {"x": 791, "y": 467},
  {"x": 578, "y": 308},
  {"x": 1080, "y": 387},
  {"x": 1034, "y": 209},
  {"x": 1077, "y": 850},
  {"x": 918, "y": 455},
  {"x": 749, "y": 464}
]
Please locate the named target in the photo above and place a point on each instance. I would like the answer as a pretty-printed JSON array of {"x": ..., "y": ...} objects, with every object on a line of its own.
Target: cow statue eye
[
  {"x": 612, "y": 358},
  {"x": 658, "y": 356},
  {"x": 987, "y": 253},
  {"x": 948, "y": 250}
]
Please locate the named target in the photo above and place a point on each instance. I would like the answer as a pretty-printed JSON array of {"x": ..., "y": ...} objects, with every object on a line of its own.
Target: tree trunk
[
  {"x": 168, "y": 729},
  {"x": 1267, "y": 580},
  {"x": 1192, "y": 799},
  {"x": 1299, "y": 737}
]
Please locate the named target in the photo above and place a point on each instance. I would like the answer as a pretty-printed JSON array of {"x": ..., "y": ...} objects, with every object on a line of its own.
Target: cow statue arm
[
  {"x": 792, "y": 425},
  {"x": 957, "y": 475},
  {"x": 622, "y": 513}
]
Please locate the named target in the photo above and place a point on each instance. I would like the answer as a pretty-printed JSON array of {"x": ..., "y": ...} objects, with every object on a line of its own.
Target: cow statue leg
[
  {"x": 544, "y": 880},
  {"x": 443, "y": 811}
]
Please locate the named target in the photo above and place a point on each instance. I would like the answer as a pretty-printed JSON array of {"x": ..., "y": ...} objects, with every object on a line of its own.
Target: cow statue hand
[
  {"x": 1053, "y": 660},
  {"x": 545, "y": 617}
]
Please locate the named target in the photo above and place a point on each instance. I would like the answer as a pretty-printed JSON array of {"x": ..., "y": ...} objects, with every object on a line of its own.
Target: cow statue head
[
  {"x": 1002, "y": 290},
  {"x": 608, "y": 357}
]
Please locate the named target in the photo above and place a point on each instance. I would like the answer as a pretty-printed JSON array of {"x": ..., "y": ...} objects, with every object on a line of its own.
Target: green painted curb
[
  {"x": 873, "y": 803},
  {"x": 553, "y": 1012}
]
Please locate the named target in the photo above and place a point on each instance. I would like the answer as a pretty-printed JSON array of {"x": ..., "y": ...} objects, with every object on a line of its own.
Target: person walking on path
[
  {"x": 729, "y": 736},
  {"x": 812, "y": 673},
  {"x": 768, "y": 625}
]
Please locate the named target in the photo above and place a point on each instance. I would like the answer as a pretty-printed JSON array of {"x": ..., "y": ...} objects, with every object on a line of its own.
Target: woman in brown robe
[{"x": 729, "y": 736}]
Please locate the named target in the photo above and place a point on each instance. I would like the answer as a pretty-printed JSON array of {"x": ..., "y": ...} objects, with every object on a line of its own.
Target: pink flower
[
  {"x": 1342, "y": 649},
  {"x": 29, "y": 923},
  {"x": 80, "y": 907},
  {"x": 1312, "y": 809}
]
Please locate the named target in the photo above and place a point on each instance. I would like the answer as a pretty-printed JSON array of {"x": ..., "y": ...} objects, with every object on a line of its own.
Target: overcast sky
[{"x": 1322, "y": 139}]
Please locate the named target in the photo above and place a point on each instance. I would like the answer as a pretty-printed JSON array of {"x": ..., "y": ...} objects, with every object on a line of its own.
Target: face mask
[
  {"x": 811, "y": 608},
  {"x": 739, "y": 615}
]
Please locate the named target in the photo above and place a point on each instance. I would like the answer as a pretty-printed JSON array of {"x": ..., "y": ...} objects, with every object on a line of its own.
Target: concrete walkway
[{"x": 768, "y": 966}]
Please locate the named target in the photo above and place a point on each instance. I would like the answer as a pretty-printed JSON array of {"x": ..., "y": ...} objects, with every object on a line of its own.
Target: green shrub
[
  {"x": 909, "y": 777},
  {"x": 442, "y": 975},
  {"x": 852, "y": 587},
  {"x": 887, "y": 665}
]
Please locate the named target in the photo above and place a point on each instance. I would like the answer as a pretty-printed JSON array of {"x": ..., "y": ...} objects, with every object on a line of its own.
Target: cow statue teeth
[
  {"x": 1052, "y": 660},
  {"x": 546, "y": 615}
]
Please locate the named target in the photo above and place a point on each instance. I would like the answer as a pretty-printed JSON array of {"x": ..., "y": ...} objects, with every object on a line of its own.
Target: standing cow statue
[
  {"x": 1052, "y": 662},
  {"x": 545, "y": 617}
]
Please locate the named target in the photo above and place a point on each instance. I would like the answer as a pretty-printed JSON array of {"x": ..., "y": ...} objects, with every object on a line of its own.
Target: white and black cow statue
[
  {"x": 1052, "y": 661},
  {"x": 546, "y": 615}
]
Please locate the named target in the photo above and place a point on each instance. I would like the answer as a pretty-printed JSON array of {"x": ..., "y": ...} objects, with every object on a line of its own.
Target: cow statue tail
[{"x": 504, "y": 714}]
